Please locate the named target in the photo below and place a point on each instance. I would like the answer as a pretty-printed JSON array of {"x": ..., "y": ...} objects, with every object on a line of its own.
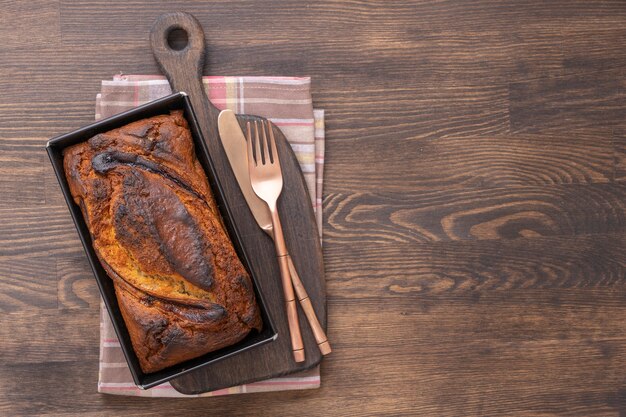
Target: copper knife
[{"x": 234, "y": 143}]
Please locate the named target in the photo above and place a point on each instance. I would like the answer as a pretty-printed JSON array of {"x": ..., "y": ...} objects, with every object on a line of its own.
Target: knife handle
[{"x": 309, "y": 312}]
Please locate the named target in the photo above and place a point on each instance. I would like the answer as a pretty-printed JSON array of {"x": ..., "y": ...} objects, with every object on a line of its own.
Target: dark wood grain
[
  {"x": 619, "y": 148},
  {"x": 457, "y": 163},
  {"x": 76, "y": 286},
  {"x": 42, "y": 23},
  {"x": 28, "y": 283},
  {"x": 37, "y": 231},
  {"x": 73, "y": 333},
  {"x": 472, "y": 269},
  {"x": 575, "y": 101},
  {"x": 21, "y": 171},
  {"x": 474, "y": 200},
  {"x": 476, "y": 214}
]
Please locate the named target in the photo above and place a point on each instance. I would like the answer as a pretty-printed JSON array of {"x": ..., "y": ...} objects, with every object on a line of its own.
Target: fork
[{"x": 267, "y": 182}]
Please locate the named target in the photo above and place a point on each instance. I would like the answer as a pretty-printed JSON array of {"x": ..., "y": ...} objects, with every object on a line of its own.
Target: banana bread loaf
[{"x": 156, "y": 229}]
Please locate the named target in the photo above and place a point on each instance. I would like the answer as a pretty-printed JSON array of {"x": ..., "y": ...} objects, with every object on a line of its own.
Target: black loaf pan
[{"x": 178, "y": 101}]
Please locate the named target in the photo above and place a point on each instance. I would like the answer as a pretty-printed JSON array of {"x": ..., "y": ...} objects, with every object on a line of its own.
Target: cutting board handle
[{"x": 183, "y": 68}]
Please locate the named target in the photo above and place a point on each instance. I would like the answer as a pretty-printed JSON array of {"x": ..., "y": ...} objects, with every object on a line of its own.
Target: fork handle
[
  {"x": 297, "y": 346},
  {"x": 309, "y": 312},
  {"x": 292, "y": 312}
]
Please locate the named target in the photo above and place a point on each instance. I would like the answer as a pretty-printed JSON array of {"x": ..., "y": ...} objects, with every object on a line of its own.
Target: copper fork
[{"x": 267, "y": 182}]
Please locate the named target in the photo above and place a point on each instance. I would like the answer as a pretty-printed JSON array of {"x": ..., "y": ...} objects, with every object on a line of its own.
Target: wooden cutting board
[{"x": 183, "y": 68}]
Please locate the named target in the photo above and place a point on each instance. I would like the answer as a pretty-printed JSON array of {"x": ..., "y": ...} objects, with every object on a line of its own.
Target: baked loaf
[{"x": 156, "y": 229}]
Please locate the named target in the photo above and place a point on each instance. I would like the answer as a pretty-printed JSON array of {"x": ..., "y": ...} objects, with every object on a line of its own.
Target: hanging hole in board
[{"x": 177, "y": 39}]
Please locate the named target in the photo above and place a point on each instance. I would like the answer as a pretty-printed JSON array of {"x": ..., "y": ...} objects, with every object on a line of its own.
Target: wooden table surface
[{"x": 474, "y": 205}]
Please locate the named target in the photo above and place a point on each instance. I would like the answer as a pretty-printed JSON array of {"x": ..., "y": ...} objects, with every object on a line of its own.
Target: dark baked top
[{"x": 156, "y": 229}]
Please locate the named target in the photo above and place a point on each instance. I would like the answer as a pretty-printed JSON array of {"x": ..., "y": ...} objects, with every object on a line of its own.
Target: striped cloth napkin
[{"x": 286, "y": 101}]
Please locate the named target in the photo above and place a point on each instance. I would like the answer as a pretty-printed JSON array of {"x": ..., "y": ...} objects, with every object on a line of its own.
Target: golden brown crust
[{"x": 182, "y": 290}]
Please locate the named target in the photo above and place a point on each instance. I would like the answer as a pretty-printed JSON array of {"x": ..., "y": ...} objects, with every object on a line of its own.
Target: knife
[{"x": 234, "y": 143}]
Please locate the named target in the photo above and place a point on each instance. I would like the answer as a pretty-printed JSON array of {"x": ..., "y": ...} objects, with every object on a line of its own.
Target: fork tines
[{"x": 262, "y": 154}]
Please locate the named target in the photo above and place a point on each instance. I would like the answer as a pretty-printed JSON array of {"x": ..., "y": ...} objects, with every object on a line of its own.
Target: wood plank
[
  {"x": 28, "y": 283},
  {"x": 43, "y": 119},
  {"x": 52, "y": 190},
  {"x": 427, "y": 112},
  {"x": 475, "y": 214},
  {"x": 370, "y": 164},
  {"x": 592, "y": 101},
  {"x": 515, "y": 54},
  {"x": 55, "y": 336},
  {"x": 592, "y": 47},
  {"x": 442, "y": 321},
  {"x": 21, "y": 171},
  {"x": 27, "y": 27},
  {"x": 512, "y": 41},
  {"x": 37, "y": 231},
  {"x": 447, "y": 270},
  {"x": 70, "y": 72},
  {"x": 76, "y": 286},
  {"x": 332, "y": 16},
  {"x": 619, "y": 148}
]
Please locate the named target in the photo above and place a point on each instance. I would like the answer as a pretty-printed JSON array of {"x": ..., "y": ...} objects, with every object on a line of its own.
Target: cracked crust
[{"x": 156, "y": 229}]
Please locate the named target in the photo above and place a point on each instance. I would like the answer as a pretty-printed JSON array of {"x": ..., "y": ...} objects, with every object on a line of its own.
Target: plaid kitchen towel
[{"x": 286, "y": 101}]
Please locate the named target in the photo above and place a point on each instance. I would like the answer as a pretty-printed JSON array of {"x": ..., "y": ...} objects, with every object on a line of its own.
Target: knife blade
[{"x": 234, "y": 143}]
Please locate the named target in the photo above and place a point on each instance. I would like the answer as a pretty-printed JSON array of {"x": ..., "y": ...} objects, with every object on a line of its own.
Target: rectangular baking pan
[{"x": 178, "y": 101}]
